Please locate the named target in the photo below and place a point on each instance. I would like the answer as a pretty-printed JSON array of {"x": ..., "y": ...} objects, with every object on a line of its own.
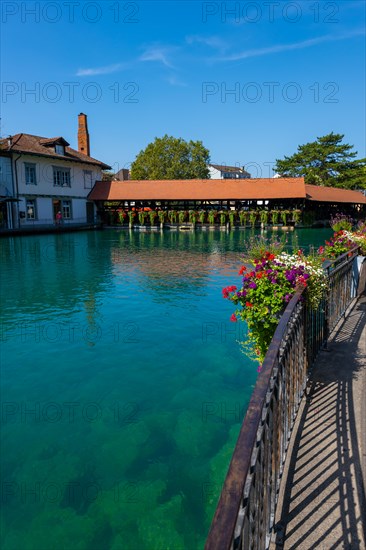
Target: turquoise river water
[{"x": 123, "y": 386}]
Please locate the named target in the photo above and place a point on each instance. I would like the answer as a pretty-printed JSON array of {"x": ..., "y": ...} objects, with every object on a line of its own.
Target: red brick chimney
[{"x": 83, "y": 135}]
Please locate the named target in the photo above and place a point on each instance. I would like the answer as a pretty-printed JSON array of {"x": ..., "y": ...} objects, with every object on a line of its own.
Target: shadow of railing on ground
[{"x": 321, "y": 508}]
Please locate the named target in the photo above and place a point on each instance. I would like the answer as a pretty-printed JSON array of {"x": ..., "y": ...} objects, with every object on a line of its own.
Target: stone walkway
[{"x": 322, "y": 503}]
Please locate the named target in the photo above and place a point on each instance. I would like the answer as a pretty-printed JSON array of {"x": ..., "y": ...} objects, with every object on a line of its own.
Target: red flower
[
  {"x": 302, "y": 281},
  {"x": 233, "y": 318},
  {"x": 260, "y": 274},
  {"x": 225, "y": 291},
  {"x": 248, "y": 304},
  {"x": 242, "y": 269}
]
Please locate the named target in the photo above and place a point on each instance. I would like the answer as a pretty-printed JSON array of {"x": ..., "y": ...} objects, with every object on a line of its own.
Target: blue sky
[{"x": 251, "y": 79}]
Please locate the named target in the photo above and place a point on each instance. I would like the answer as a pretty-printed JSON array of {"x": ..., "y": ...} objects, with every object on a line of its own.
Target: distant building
[
  {"x": 40, "y": 177},
  {"x": 122, "y": 175},
  {"x": 221, "y": 171}
]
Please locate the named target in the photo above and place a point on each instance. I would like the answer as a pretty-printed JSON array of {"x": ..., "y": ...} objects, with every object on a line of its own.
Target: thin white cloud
[
  {"x": 158, "y": 53},
  {"x": 100, "y": 70},
  {"x": 211, "y": 41},
  {"x": 175, "y": 81},
  {"x": 288, "y": 47}
]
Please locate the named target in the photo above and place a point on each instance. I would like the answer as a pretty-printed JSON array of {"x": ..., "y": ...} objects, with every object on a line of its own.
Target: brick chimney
[{"x": 83, "y": 135}]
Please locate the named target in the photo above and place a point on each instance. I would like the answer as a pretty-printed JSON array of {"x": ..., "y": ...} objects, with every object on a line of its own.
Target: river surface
[{"x": 123, "y": 386}]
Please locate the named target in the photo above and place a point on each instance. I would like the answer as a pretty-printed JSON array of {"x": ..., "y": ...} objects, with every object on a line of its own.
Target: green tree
[
  {"x": 171, "y": 158},
  {"x": 327, "y": 162}
]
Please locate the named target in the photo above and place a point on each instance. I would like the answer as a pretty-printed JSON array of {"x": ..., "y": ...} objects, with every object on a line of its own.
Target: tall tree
[
  {"x": 171, "y": 158},
  {"x": 327, "y": 162}
]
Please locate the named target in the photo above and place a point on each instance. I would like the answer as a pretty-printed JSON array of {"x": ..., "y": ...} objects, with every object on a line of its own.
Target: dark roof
[
  {"x": 122, "y": 174},
  {"x": 209, "y": 189},
  {"x": 53, "y": 141},
  {"x": 40, "y": 146},
  {"x": 224, "y": 168}
]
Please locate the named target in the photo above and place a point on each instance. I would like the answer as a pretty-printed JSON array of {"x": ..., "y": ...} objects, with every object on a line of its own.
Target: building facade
[
  {"x": 47, "y": 181},
  {"x": 221, "y": 171}
]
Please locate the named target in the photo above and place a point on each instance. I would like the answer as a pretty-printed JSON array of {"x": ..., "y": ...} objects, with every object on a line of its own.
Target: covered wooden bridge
[{"x": 263, "y": 193}]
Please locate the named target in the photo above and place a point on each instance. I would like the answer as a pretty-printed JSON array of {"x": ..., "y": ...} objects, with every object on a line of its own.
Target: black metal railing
[{"x": 245, "y": 513}]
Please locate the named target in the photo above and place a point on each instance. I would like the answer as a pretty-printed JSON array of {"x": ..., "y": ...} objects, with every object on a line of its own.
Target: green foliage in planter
[
  {"x": 232, "y": 216},
  {"x": 263, "y": 214},
  {"x": 341, "y": 222},
  {"x": 182, "y": 216},
  {"x": 253, "y": 217},
  {"x": 142, "y": 216},
  {"x": 284, "y": 214},
  {"x": 172, "y": 215},
  {"x": 162, "y": 216},
  {"x": 192, "y": 216},
  {"x": 243, "y": 216},
  {"x": 266, "y": 290},
  {"x": 121, "y": 216},
  {"x": 222, "y": 218},
  {"x": 131, "y": 215},
  {"x": 275, "y": 215},
  {"x": 211, "y": 216},
  {"x": 202, "y": 216},
  {"x": 152, "y": 216},
  {"x": 296, "y": 215},
  {"x": 258, "y": 246}
]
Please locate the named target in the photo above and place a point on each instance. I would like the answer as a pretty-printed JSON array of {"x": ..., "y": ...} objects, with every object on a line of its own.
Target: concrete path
[{"x": 322, "y": 503}]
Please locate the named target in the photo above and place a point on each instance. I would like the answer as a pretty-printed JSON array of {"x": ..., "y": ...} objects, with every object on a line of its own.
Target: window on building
[
  {"x": 59, "y": 149},
  {"x": 30, "y": 208},
  {"x": 61, "y": 177},
  {"x": 30, "y": 173},
  {"x": 88, "y": 174},
  {"x": 66, "y": 210}
]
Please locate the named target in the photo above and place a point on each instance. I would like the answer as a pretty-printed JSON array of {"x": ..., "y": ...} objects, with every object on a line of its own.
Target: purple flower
[{"x": 252, "y": 285}]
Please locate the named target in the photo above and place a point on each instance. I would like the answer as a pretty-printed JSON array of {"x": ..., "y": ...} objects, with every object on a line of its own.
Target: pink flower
[{"x": 233, "y": 318}]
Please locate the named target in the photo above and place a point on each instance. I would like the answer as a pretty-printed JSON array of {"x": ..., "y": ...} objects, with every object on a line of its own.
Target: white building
[
  {"x": 221, "y": 171},
  {"x": 45, "y": 176}
]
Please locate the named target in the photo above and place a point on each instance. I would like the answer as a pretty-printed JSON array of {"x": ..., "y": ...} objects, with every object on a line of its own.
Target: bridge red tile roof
[
  {"x": 333, "y": 194},
  {"x": 210, "y": 189}
]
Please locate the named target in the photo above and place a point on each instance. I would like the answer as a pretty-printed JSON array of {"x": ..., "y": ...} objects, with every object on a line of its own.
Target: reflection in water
[{"x": 123, "y": 387}]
